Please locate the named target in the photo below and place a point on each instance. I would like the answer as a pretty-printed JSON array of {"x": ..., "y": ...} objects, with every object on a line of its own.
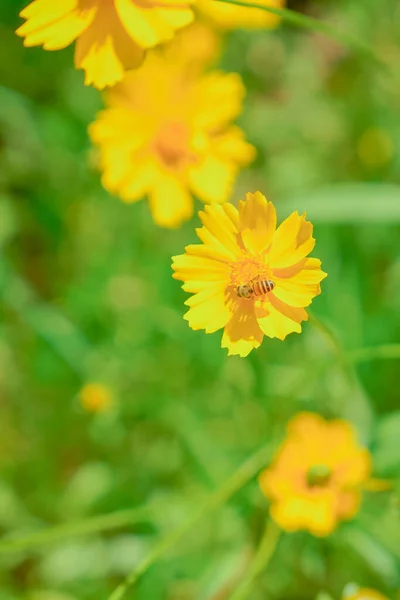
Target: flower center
[
  {"x": 248, "y": 269},
  {"x": 318, "y": 476},
  {"x": 173, "y": 144}
]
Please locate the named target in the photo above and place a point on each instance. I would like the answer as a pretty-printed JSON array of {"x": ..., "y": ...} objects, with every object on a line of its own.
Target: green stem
[
  {"x": 261, "y": 560},
  {"x": 83, "y": 527},
  {"x": 329, "y": 336},
  {"x": 245, "y": 472},
  {"x": 382, "y": 352},
  {"x": 305, "y": 22}
]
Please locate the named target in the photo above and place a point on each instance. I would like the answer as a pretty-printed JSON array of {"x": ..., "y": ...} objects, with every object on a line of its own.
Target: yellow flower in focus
[
  {"x": 110, "y": 34},
  {"x": 316, "y": 479},
  {"x": 95, "y": 397},
  {"x": 353, "y": 592},
  {"x": 226, "y": 16},
  {"x": 248, "y": 276},
  {"x": 167, "y": 134}
]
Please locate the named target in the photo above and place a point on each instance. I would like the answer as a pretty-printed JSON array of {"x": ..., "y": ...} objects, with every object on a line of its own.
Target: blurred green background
[{"x": 86, "y": 295}]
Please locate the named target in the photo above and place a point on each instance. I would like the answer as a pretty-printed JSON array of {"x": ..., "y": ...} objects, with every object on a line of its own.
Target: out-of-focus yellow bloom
[
  {"x": 110, "y": 34},
  {"x": 242, "y": 248},
  {"x": 167, "y": 134},
  {"x": 95, "y": 397},
  {"x": 226, "y": 16},
  {"x": 316, "y": 479},
  {"x": 353, "y": 592},
  {"x": 194, "y": 48}
]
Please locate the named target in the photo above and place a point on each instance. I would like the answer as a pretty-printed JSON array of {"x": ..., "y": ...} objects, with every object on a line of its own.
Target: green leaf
[{"x": 378, "y": 558}]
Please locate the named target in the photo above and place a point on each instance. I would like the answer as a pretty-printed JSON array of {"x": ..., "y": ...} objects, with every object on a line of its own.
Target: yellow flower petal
[
  {"x": 291, "y": 513},
  {"x": 176, "y": 17},
  {"x": 219, "y": 224},
  {"x": 291, "y": 242},
  {"x": 119, "y": 127},
  {"x": 300, "y": 288},
  {"x": 218, "y": 99},
  {"x": 292, "y": 295},
  {"x": 212, "y": 179},
  {"x": 210, "y": 309},
  {"x": 232, "y": 146},
  {"x": 349, "y": 504},
  {"x": 105, "y": 50},
  {"x": 195, "y": 46},
  {"x": 54, "y": 25},
  {"x": 277, "y": 319},
  {"x": 305, "y": 272},
  {"x": 116, "y": 164},
  {"x": 197, "y": 271},
  {"x": 242, "y": 333},
  {"x": 139, "y": 181},
  {"x": 210, "y": 249},
  {"x": 257, "y": 222},
  {"x": 44, "y": 11},
  {"x": 170, "y": 201},
  {"x": 227, "y": 16},
  {"x": 144, "y": 25},
  {"x": 322, "y": 518},
  {"x": 218, "y": 236},
  {"x": 307, "y": 426}
]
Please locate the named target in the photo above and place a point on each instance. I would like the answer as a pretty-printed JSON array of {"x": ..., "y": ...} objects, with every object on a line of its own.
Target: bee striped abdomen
[{"x": 262, "y": 287}]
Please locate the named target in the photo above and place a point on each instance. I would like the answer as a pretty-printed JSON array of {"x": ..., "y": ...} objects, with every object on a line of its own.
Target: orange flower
[
  {"x": 227, "y": 16},
  {"x": 316, "y": 479},
  {"x": 110, "y": 34},
  {"x": 247, "y": 276},
  {"x": 167, "y": 132}
]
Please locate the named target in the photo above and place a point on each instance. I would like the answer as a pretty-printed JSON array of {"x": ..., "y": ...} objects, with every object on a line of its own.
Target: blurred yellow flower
[
  {"x": 95, "y": 397},
  {"x": 353, "y": 592},
  {"x": 247, "y": 276},
  {"x": 167, "y": 134},
  {"x": 110, "y": 34},
  {"x": 316, "y": 479},
  {"x": 226, "y": 16}
]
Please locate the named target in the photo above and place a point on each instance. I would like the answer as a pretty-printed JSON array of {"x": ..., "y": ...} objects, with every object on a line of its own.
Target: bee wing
[{"x": 257, "y": 277}]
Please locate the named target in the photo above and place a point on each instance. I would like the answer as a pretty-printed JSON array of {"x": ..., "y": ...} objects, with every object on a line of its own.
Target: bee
[{"x": 255, "y": 288}]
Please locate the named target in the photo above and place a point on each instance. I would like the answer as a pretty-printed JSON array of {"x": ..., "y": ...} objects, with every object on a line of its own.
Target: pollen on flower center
[
  {"x": 318, "y": 476},
  {"x": 248, "y": 269},
  {"x": 172, "y": 144}
]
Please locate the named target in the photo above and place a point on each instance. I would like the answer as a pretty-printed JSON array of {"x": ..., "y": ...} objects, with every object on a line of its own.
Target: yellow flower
[
  {"x": 110, "y": 34},
  {"x": 167, "y": 134},
  {"x": 353, "y": 592},
  {"x": 95, "y": 397},
  {"x": 226, "y": 16},
  {"x": 316, "y": 479},
  {"x": 242, "y": 255}
]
